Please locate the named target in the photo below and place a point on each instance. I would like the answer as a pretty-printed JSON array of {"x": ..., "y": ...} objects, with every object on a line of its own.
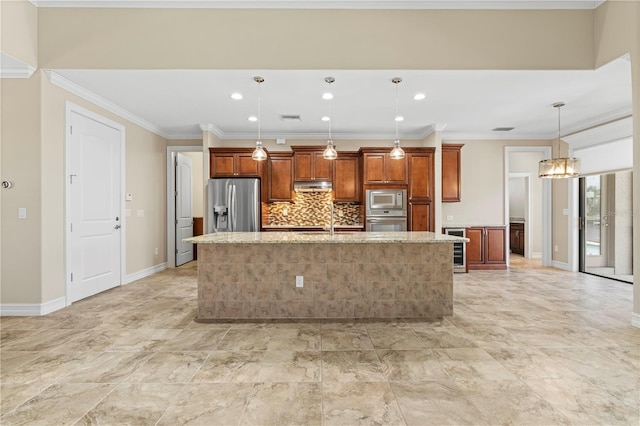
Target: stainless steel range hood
[{"x": 314, "y": 186}]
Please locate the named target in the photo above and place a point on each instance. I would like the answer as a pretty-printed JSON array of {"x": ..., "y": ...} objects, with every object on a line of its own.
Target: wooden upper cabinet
[
  {"x": 380, "y": 168},
  {"x": 280, "y": 177},
  {"x": 421, "y": 176},
  {"x": 346, "y": 177},
  {"x": 309, "y": 165},
  {"x": 229, "y": 162},
  {"x": 451, "y": 175}
]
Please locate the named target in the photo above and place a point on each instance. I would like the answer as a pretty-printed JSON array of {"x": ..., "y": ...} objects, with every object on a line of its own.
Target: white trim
[
  {"x": 561, "y": 265},
  {"x": 11, "y": 67},
  {"x": 171, "y": 202},
  {"x": 546, "y": 198},
  {"x": 69, "y": 108},
  {"x": 327, "y": 4},
  {"x": 635, "y": 319},
  {"x": 536, "y": 255},
  {"x": 145, "y": 273},
  {"x": 33, "y": 309},
  {"x": 573, "y": 249},
  {"x": 68, "y": 85}
]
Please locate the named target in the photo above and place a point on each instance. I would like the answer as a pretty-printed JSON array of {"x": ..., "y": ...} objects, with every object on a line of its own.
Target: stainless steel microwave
[{"x": 386, "y": 202}]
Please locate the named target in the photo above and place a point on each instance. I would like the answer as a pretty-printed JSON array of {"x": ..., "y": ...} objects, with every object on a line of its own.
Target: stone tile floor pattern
[{"x": 528, "y": 346}]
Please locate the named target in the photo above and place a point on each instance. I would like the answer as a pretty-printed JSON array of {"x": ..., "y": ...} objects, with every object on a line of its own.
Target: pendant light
[
  {"x": 397, "y": 153},
  {"x": 330, "y": 152},
  {"x": 259, "y": 154},
  {"x": 564, "y": 167}
]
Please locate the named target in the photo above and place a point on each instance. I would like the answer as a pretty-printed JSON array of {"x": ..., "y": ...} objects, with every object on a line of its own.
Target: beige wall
[
  {"x": 19, "y": 31},
  {"x": 317, "y": 39},
  {"x": 197, "y": 159},
  {"x": 21, "y": 163}
]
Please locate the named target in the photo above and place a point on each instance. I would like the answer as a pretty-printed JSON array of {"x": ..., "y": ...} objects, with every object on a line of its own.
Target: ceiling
[
  {"x": 464, "y": 104},
  {"x": 179, "y": 104}
]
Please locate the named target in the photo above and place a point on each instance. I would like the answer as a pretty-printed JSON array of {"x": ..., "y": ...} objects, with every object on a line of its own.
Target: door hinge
[
  {"x": 176, "y": 221},
  {"x": 71, "y": 227},
  {"x": 72, "y": 277},
  {"x": 176, "y": 251},
  {"x": 71, "y": 130}
]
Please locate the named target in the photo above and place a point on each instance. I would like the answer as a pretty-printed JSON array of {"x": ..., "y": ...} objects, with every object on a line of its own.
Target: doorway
[
  {"x": 177, "y": 252},
  {"x": 606, "y": 225}
]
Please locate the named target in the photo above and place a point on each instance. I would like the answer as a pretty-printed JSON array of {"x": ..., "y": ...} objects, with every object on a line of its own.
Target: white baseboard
[
  {"x": 32, "y": 309},
  {"x": 537, "y": 255},
  {"x": 560, "y": 265},
  {"x": 635, "y": 319},
  {"x": 145, "y": 273}
]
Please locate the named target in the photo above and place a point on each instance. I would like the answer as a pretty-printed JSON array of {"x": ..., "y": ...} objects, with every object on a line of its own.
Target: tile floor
[{"x": 531, "y": 345}]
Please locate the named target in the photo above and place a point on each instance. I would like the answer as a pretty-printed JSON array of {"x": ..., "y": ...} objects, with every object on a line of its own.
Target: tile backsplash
[{"x": 313, "y": 209}]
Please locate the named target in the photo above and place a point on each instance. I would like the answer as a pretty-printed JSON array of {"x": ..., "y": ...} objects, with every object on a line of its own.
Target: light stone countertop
[
  {"x": 323, "y": 237},
  {"x": 319, "y": 227}
]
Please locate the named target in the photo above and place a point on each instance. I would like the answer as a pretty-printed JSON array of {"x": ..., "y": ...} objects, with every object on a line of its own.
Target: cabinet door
[
  {"x": 521, "y": 242},
  {"x": 396, "y": 170},
  {"x": 420, "y": 176},
  {"x": 420, "y": 216},
  {"x": 346, "y": 180},
  {"x": 321, "y": 168},
  {"x": 302, "y": 166},
  {"x": 495, "y": 249},
  {"x": 246, "y": 166},
  {"x": 451, "y": 182},
  {"x": 280, "y": 178},
  {"x": 374, "y": 168},
  {"x": 475, "y": 246},
  {"x": 221, "y": 165}
]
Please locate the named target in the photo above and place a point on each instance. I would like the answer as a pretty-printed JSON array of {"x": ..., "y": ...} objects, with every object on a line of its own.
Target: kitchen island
[{"x": 273, "y": 275}]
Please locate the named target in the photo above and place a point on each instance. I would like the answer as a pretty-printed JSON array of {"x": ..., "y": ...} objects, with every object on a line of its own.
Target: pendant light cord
[
  {"x": 259, "y": 109},
  {"x": 395, "y": 119}
]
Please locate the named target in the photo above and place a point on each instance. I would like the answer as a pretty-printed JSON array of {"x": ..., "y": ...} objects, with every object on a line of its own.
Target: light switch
[{"x": 22, "y": 212}]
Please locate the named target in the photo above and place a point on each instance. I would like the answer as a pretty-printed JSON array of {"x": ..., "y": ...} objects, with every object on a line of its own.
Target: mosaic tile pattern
[
  {"x": 391, "y": 280},
  {"x": 313, "y": 209},
  {"x": 527, "y": 346}
]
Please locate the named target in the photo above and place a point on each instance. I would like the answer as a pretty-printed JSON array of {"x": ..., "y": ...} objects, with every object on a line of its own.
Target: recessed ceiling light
[
  {"x": 253, "y": 118},
  {"x": 419, "y": 96},
  {"x": 327, "y": 96},
  {"x": 399, "y": 118},
  {"x": 325, "y": 118},
  {"x": 237, "y": 96}
]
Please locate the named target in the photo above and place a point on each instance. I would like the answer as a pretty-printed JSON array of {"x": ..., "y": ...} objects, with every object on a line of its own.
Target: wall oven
[{"x": 386, "y": 210}]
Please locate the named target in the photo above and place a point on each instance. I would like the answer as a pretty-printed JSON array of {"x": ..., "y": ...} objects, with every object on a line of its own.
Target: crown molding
[
  {"x": 327, "y": 4},
  {"x": 455, "y": 136},
  {"x": 210, "y": 127},
  {"x": 11, "y": 67},
  {"x": 101, "y": 102}
]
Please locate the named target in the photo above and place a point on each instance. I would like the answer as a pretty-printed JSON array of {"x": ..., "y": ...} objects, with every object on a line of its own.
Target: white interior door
[
  {"x": 94, "y": 233},
  {"x": 184, "y": 208}
]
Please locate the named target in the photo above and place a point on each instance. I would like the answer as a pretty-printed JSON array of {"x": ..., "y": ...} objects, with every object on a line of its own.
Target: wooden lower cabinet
[
  {"x": 419, "y": 216},
  {"x": 486, "y": 248}
]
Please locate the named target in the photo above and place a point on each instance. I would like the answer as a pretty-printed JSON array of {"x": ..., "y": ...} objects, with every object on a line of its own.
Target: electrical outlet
[
  {"x": 555, "y": 248},
  {"x": 155, "y": 251},
  {"x": 22, "y": 212},
  {"x": 449, "y": 217},
  {"x": 285, "y": 212},
  {"x": 140, "y": 213},
  {"x": 340, "y": 213},
  {"x": 299, "y": 281}
]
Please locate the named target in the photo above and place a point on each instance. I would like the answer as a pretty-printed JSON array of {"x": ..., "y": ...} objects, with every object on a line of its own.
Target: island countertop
[{"x": 323, "y": 237}]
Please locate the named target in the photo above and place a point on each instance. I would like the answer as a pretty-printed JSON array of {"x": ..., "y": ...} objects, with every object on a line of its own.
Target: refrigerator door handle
[
  {"x": 229, "y": 207},
  {"x": 234, "y": 200}
]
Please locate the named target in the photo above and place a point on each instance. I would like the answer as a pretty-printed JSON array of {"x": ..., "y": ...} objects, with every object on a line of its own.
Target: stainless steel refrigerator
[{"x": 234, "y": 205}]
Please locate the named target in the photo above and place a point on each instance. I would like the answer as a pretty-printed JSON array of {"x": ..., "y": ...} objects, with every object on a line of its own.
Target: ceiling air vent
[
  {"x": 290, "y": 117},
  {"x": 503, "y": 129}
]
